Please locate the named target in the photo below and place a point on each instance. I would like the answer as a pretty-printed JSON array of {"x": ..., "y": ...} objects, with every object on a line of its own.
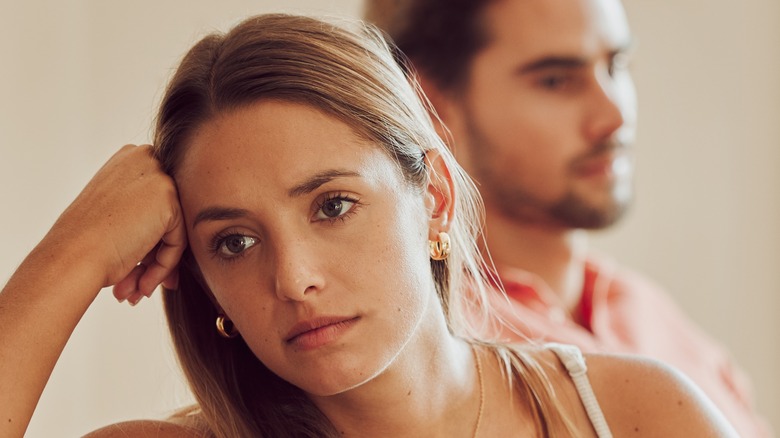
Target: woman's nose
[{"x": 297, "y": 274}]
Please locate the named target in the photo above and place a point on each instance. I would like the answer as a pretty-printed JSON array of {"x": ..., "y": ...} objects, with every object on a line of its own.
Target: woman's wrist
[{"x": 69, "y": 262}]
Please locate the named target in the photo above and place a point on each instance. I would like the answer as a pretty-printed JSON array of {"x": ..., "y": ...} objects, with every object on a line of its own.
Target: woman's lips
[{"x": 314, "y": 333}]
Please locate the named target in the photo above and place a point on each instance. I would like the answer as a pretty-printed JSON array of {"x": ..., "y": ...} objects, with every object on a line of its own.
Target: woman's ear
[{"x": 440, "y": 194}]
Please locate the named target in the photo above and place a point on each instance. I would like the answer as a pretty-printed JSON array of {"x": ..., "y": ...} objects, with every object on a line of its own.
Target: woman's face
[{"x": 311, "y": 241}]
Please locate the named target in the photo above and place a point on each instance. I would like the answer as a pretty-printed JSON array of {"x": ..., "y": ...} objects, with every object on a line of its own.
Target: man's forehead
[{"x": 556, "y": 25}]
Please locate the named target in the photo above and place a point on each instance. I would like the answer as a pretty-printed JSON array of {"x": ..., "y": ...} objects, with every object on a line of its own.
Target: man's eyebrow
[
  {"x": 317, "y": 180},
  {"x": 570, "y": 62},
  {"x": 219, "y": 214},
  {"x": 549, "y": 62}
]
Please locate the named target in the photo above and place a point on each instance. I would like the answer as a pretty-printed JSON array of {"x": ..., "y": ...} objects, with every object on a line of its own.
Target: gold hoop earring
[
  {"x": 221, "y": 327},
  {"x": 440, "y": 249}
]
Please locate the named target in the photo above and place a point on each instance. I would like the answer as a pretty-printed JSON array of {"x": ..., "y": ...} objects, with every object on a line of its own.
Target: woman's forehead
[{"x": 275, "y": 145}]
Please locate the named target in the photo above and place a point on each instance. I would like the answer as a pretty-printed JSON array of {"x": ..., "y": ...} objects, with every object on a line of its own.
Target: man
[{"x": 540, "y": 109}]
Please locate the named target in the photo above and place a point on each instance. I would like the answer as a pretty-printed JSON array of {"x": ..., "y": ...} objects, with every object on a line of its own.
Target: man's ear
[
  {"x": 446, "y": 109},
  {"x": 447, "y": 114},
  {"x": 440, "y": 194}
]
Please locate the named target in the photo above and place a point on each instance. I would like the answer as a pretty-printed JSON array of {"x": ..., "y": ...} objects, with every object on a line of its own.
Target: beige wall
[
  {"x": 78, "y": 79},
  {"x": 706, "y": 223}
]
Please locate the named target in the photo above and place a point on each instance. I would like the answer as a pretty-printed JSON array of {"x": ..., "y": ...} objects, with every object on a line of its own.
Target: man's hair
[{"x": 440, "y": 37}]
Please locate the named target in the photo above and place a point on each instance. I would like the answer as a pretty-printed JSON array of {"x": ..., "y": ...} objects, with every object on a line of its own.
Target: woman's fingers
[
  {"x": 172, "y": 280},
  {"x": 158, "y": 267},
  {"x": 166, "y": 259},
  {"x": 128, "y": 286}
]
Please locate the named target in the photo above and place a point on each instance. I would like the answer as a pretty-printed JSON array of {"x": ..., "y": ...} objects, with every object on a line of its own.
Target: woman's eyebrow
[
  {"x": 319, "y": 179},
  {"x": 219, "y": 214}
]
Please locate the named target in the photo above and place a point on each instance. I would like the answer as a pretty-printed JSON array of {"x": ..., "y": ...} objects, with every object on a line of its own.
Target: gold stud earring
[
  {"x": 232, "y": 333},
  {"x": 440, "y": 249}
]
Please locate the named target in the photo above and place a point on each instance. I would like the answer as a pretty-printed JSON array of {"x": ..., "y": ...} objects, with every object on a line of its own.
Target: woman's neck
[{"x": 431, "y": 389}]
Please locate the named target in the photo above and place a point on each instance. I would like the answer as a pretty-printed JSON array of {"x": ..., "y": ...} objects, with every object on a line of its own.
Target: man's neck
[{"x": 556, "y": 255}]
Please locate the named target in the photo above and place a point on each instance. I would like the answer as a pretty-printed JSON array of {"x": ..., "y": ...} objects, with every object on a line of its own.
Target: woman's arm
[{"x": 128, "y": 213}]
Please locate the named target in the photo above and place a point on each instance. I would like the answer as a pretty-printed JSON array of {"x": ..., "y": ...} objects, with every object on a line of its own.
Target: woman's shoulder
[
  {"x": 639, "y": 394},
  {"x": 184, "y": 424},
  {"x": 147, "y": 428}
]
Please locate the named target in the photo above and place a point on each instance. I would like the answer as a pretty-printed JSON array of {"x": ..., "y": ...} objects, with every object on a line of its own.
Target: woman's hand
[
  {"x": 129, "y": 224},
  {"x": 127, "y": 214}
]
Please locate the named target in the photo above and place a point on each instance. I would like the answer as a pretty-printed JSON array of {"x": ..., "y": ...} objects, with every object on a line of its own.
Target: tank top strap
[{"x": 572, "y": 359}]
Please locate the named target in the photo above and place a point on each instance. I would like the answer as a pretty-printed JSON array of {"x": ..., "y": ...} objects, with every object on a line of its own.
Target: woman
[{"x": 330, "y": 240}]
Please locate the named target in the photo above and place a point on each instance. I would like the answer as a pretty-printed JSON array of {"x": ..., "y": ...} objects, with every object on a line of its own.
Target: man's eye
[
  {"x": 334, "y": 208},
  {"x": 235, "y": 244},
  {"x": 554, "y": 82}
]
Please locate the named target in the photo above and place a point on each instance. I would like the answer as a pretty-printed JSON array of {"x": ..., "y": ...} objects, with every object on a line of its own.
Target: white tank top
[{"x": 572, "y": 359}]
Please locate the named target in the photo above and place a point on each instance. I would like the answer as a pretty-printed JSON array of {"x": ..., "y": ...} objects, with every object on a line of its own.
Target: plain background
[{"x": 80, "y": 78}]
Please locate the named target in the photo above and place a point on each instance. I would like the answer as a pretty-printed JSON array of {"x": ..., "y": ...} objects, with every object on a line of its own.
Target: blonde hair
[{"x": 351, "y": 75}]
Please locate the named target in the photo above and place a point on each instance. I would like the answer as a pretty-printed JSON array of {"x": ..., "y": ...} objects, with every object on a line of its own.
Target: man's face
[{"x": 549, "y": 109}]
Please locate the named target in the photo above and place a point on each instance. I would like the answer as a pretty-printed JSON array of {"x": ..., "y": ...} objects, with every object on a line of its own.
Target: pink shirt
[{"x": 623, "y": 312}]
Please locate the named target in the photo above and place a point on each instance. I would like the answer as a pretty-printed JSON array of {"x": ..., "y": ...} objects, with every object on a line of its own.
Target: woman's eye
[
  {"x": 334, "y": 208},
  {"x": 235, "y": 244}
]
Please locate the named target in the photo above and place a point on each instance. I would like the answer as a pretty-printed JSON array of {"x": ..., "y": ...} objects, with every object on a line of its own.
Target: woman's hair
[{"x": 351, "y": 75}]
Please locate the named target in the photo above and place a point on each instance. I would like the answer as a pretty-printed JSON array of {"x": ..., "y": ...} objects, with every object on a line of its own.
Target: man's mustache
[{"x": 600, "y": 151}]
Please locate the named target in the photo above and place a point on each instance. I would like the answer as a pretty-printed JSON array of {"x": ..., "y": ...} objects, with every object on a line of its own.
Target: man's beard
[
  {"x": 570, "y": 211},
  {"x": 574, "y": 211}
]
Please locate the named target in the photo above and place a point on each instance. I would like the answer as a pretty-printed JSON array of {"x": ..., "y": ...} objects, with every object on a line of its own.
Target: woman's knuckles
[{"x": 124, "y": 211}]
